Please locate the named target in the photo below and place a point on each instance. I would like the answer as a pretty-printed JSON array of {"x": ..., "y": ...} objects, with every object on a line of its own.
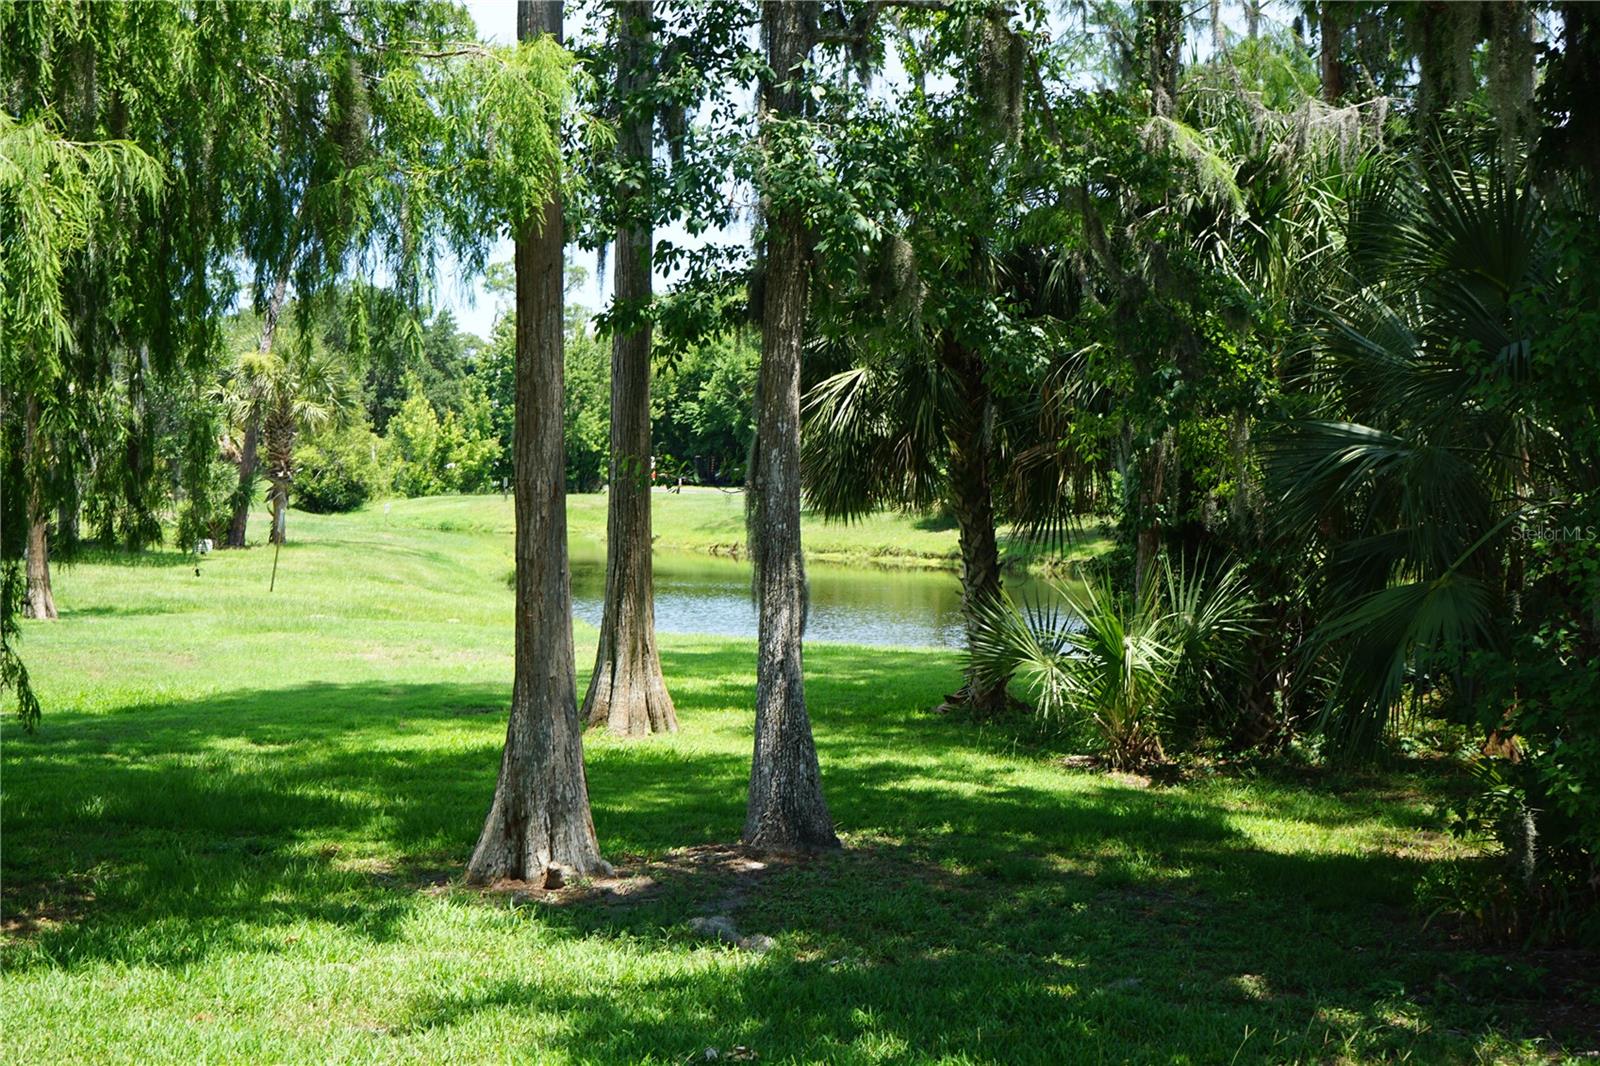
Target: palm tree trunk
[
  {"x": 626, "y": 691},
  {"x": 972, "y": 500},
  {"x": 245, "y": 494},
  {"x": 539, "y": 827},
  {"x": 280, "y": 469},
  {"x": 41, "y": 601},
  {"x": 786, "y": 809}
]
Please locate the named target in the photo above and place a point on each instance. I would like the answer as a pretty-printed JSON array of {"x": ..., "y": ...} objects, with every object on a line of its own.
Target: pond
[{"x": 849, "y": 604}]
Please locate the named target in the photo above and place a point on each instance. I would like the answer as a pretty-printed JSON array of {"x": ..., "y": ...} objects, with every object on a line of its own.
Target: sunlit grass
[{"x": 238, "y": 836}]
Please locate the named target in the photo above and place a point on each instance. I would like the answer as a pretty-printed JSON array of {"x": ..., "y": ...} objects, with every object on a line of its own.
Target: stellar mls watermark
[{"x": 1556, "y": 533}]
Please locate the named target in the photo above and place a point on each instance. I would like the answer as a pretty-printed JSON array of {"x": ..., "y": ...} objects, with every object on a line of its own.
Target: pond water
[{"x": 849, "y": 604}]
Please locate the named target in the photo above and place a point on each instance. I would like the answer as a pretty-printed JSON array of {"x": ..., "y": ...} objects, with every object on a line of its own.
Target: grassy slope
[
  {"x": 704, "y": 520},
  {"x": 233, "y": 839}
]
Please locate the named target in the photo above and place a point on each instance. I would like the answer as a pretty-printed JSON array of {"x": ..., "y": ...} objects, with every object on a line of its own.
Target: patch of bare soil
[{"x": 33, "y": 909}]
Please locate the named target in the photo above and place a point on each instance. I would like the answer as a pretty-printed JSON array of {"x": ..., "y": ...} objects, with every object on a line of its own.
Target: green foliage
[
  {"x": 586, "y": 412},
  {"x": 1120, "y": 666},
  {"x": 702, "y": 409},
  {"x": 341, "y": 468}
]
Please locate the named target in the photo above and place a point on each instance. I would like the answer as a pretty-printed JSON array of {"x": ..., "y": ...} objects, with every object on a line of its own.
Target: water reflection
[{"x": 849, "y": 604}]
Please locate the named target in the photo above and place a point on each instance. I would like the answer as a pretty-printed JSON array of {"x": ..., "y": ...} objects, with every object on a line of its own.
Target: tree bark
[
  {"x": 972, "y": 500},
  {"x": 1330, "y": 30},
  {"x": 786, "y": 809},
  {"x": 41, "y": 601},
  {"x": 280, "y": 431},
  {"x": 252, "y": 430},
  {"x": 626, "y": 691},
  {"x": 539, "y": 827}
]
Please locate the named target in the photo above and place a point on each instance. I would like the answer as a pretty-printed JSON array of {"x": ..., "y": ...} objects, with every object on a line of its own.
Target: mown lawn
[
  {"x": 711, "y": 520},
  {"x": 239, "y": 832}
]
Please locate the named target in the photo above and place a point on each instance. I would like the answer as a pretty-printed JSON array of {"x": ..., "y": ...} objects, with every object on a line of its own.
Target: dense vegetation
[{"x": 1298, "y": 303}]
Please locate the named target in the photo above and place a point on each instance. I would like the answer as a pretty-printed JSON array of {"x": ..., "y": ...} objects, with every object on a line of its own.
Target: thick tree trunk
[
  {"x": 786, "y": 809},
  {"x": 41, "y": 601},
  {"x": 626, "y": 691},
  {"x": 539, "y": 827},
  {"x": 252, "y": 431},
  {"x": 972, "y": 500},
  {"x": 1331, "y": 33}
]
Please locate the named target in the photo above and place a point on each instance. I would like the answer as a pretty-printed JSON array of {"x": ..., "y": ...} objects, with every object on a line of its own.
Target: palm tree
[
  {"x": 1122, "y": 665},
  {"x": 1425, "y": 452},
  {"x": 286, "y": 395}
]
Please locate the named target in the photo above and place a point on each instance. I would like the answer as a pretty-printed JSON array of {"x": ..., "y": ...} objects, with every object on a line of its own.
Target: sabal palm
[
  {"x": 1120, "y": 665},
  {"x": 287, "y": 394},
  {"x": 1422, "y": 458}
]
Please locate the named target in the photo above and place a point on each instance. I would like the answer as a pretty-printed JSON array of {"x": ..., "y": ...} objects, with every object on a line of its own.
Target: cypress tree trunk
[
  {"x": 972, "y": 500},
  {"x": 626, "y": 690},
  {"x": 252, "y": 431},
  {"x": 539, "y": 827},
  {"x": 41, "y": 601},
  {"x": 786, "y": 810},
  {"x": 1331, "y": 33}
]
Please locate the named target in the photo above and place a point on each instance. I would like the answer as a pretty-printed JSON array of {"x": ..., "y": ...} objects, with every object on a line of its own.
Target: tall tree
[
  {"x": 626, "y": 691},
  {"x": 786, "y": 808},
  {"x": 539, "y": 827}
]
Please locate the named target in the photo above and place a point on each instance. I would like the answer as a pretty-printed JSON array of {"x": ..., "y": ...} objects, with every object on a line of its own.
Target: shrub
[
  {"x": 1117, "y": 664},
  {"x": 341, "y": 469}
]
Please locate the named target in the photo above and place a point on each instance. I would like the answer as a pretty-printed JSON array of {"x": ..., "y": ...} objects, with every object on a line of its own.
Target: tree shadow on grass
[{"x": 980, "y": 914}]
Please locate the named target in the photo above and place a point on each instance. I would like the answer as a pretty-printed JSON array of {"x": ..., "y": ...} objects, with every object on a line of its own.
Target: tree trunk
[
  {"x": 786, "y": 809},
  {"x": 41, "y": 601},
  {"x": 1331, "y": 34},
  {"x": 539, "y": 827},
  {"x": 1449, "y": 34},
  {"x": 972, "y": 500},
  {"x": 281, "y": 434},
  {"x": 626, "y": 691},
  {"x": 244, "y": 497},
  {"x": 245, "y": 494},
  {"x": 1511, "y": 63}
]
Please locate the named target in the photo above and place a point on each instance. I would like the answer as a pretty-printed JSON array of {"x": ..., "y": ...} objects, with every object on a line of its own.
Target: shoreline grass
[
  {"x": 711, "y": 521},
  {"x": 238, "y": 836}
]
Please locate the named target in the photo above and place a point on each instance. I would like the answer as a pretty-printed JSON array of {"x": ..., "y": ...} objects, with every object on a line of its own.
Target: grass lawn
[
  {"x": 710, "y": 520},
  {"x": 239, "y": 832}
]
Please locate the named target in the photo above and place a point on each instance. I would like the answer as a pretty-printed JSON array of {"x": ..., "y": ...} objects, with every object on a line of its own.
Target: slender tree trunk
[
  {"x": 41, "y": 601},
  {"x": 247, "y": 480},
  {"x": 1331, "y": 34},
  {"x": 626, "y": 691},
  {"x": 244, "y": 497},
  {"x": 786, "y": 809},
  {"x": 281, "y": 434},
  {"x": 539, "y": 827},
  {"x": 972, "y": 500}
]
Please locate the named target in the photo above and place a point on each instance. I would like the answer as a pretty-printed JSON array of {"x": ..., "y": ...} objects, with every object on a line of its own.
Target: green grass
[
  {"x": 710, "y": 520},
  {"x": 239, "y": 832}
]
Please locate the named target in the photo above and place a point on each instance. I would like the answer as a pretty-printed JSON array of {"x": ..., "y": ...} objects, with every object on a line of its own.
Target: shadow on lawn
[{"x": 1010, "y": 921}]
